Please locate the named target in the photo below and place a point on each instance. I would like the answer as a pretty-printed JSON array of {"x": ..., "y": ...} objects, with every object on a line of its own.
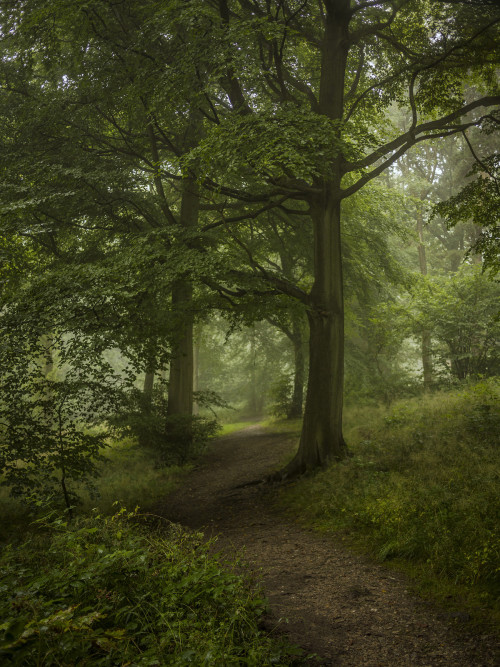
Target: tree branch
[
  {"x": 245, "y": 216},
  {"x": 408, "y": 138},
  {"x": 347, "y": 192}
]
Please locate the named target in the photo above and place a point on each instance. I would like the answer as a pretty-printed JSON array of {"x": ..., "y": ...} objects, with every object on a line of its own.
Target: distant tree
[
  {"x": 461, "y": 313},
  {"x": 479, "y": 202}
]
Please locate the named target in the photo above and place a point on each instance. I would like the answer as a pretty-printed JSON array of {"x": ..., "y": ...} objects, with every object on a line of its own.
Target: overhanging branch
[
  {"x": 411, "y": 136},
  {"x": 347, "y": 192}
]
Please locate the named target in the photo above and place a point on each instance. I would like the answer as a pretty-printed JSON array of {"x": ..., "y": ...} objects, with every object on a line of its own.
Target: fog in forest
[{"x": 249, "y": 280}]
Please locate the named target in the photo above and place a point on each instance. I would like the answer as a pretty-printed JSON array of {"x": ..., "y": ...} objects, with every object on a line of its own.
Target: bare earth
[{"x": 336, "y": 604}]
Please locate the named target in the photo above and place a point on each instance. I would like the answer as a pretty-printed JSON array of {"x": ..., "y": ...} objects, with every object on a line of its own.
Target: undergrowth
[
  {"x": 129, "y": 475},
  {"x": 422, "y": 488},
  {"x": 109, "y": 591}
]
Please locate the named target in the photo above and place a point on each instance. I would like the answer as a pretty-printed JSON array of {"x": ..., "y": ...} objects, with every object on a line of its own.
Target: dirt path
[{"x": 340, "y": 606}]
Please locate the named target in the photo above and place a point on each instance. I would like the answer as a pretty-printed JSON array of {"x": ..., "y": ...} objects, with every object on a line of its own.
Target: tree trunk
[
  {"x": 180, "y": 386},
  {"x": 295, "y": 410},
  {"x": 147, "y": 404},
  {"x": 426, "y": 336},
  {"x": 47, "y": 361},
  {"x": 147, "y": 392},
  {"x": 253, "y": 407},
  {"x": 196, "y": 373},
  {"x": 322, "y": 440}
]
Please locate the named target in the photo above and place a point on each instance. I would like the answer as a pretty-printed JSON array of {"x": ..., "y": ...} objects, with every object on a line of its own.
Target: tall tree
[
  {"x": 302, "y": 117},
  {"x": 294, "y": 99},
  {"x": 95, "y": 126}
]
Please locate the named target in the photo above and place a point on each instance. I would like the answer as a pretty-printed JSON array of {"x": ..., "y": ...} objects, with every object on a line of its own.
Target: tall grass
[{"x": 423, "y": 486}]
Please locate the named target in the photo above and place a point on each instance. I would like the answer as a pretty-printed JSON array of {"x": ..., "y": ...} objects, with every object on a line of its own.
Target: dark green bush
[{"x": 104, "y": 591}]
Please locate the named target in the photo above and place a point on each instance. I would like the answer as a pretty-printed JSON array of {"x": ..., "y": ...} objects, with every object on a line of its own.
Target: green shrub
[
  {"x": 172, "y": 439},
  {"x": 106, "y": 591}
]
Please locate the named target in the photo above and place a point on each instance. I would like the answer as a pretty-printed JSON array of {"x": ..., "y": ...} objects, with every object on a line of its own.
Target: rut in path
[{"x": 343, "y": 607}]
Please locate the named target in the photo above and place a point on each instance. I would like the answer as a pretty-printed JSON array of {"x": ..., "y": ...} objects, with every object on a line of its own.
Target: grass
[
  {"x": 286, "y": 426},
  {"x": 125, "y": 588},
  {"x": 235, "y": 426},
  {"x": 422, "y": 490},
  {"x": 130, "y": 476}
]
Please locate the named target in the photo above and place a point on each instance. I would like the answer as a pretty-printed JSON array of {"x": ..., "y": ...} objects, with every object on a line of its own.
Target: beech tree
[
  {"x": 302, "y": 123},
  {"x": 93, "y": 132}
]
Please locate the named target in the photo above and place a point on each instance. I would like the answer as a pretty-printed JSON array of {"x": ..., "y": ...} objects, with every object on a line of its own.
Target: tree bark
[
  {"x": 180, "y": 387},
  {"x": 426, "y": 336},
  {"x": 196, "y": 373},
  {"x": 253, "y": 401},
  {"x": 295, "y": 410},
  {"x": 147, "y": 403},
  {"x": 147, "y": 392},
  {"x": 322, "y": 439}
]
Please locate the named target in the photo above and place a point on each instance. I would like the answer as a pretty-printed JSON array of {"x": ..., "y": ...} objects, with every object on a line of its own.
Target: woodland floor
[{"x": 332, "y": 602}]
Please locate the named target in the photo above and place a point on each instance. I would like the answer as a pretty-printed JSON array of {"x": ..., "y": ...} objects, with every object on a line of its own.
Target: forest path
[{"x": 341, "y": 606}]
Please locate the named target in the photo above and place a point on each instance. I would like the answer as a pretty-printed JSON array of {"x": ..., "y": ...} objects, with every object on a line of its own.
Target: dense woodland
[{"x": 221, "y": 211}]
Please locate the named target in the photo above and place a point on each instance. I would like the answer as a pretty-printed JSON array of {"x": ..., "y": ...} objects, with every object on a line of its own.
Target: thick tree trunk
[
  {"x": 180, "y": 388},
  {"x": 322, "y": 440}
]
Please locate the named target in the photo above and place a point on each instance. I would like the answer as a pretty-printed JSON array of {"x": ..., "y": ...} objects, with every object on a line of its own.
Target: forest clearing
[{"x": 249, "y": 332}]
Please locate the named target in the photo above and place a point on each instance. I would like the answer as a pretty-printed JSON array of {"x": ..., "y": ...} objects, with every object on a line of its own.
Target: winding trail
[{"x": 336, "y": 604}]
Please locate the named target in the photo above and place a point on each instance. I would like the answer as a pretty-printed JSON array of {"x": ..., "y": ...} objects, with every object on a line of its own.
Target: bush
[
  {"x": 104, "y": 591},
  {"x": 173, "y": 440},
  {"x": 186, "y": 437}
]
